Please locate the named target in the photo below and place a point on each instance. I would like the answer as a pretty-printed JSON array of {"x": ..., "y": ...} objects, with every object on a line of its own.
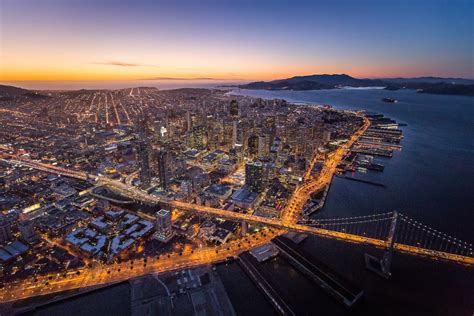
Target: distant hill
[
  {"x": 448, "y": 89},
  {"x": 334, "y": 80},
  {"x": 10, "y": 91},
  {"x": 430, "y": 80},
  {"x": 314, "y": 82},
  {"x": 433, "y": 85}
]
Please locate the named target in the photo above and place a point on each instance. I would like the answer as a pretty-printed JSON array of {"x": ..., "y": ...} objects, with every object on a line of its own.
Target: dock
[
  {"x": 340, "y": 289},
  {"x": 245, "y": 262},
  {"x": 373, "y": 152},
  {"x": 364, "y": 181}
]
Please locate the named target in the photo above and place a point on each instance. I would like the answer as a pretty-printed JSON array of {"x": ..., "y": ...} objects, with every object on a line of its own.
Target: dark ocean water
[{"x": 430, "y": 180}]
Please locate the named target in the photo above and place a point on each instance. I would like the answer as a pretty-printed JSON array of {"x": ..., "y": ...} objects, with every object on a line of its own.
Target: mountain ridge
[{"x": 433, "y": 85}]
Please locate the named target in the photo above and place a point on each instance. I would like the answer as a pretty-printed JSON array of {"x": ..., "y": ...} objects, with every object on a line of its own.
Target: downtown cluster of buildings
[{"x": 194, "y": 145}]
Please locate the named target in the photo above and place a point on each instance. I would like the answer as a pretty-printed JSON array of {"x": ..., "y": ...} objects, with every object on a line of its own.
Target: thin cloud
[
  {"x": 122, "y": 64},
  {"x": 181, "y": 78}
]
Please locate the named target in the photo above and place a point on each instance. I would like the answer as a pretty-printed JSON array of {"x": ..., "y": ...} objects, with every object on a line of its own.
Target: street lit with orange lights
[{"x": 96, "y": 273}]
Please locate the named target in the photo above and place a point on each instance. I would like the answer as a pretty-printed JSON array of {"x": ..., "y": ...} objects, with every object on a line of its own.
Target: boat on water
[{"x": 389, "y": 100}]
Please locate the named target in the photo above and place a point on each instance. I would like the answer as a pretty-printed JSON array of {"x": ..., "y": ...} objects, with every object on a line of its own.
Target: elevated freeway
[{"x": 285, "y": 223}]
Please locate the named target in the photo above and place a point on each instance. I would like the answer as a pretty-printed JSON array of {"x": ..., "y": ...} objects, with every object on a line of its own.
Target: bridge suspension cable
[
  {"x": 374, "y": 226},
  {"x": 409, "y": 232},
  {"x": 413, "y": 233}
]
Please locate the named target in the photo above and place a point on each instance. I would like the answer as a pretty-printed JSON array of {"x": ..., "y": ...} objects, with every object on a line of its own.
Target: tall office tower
[
  {"x": 234, "y": 108},
  {"x": 162, "y": 157},
  {"x": 189, "y": 122},
  {"x": 198, "y": 137},
  {"x": 163, "y": 226},
  {"x": 239, "y": 152},
  {"x": 263, "y": 145},
  {"x": 5, "y": 230},
  {"x": 252, "y": 145},
  {"x": 235, "y": 126},
  {"x": 254, "y": 176},
  {"x": 27, "y": 231},
  {"x": 144, "y": 164},
  {"x": 270, "y": 121},
  {"x": 228, "y": 131},
  {"x": 213, "y": 131}
]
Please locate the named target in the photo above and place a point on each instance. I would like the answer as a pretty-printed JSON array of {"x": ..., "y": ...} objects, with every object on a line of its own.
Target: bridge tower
[{"x": 383, "y": 266}]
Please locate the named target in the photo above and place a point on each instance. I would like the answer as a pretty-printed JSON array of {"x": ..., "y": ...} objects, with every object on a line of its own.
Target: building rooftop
[
  {"x": 264, "y": 252},
  {"x": 244, "y": 195}
]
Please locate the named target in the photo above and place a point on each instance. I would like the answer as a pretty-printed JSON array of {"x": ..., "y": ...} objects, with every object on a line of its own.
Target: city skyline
[
  {"x": 145, "y": 40},
  {"x": 191, "y": 157}
]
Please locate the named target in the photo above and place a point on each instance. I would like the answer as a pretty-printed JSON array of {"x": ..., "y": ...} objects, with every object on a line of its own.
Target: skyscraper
[
  {"x": 252, "y": 145},
  {"x": 144, "y": 164},
  {"x": 162, "y": 157},
  {"x": 254, "y": 176},
  {"x": 228, "y": 131},
  {"x": 163, "y": 226},
  {"x": 198, "y": 137},
  {"x": 234, "y": 133},
  {"x": 234, "y": 108},
  {"x": 27, "y": 231},
  {"x": 5, "y": 230},
  {"x": 263, "y": 145},
  {"x": 142, "y": 151}
]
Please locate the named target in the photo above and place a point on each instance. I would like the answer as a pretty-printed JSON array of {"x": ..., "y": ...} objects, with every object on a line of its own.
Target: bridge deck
[{"x": 286, "y": 224}]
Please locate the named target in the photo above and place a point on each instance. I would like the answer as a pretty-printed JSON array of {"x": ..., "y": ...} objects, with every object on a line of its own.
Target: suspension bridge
[
  {"x": 398, "y": 232},
  {"x": 393, "y": 231}
]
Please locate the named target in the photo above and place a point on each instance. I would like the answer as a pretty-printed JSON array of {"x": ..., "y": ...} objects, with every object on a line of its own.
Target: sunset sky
[{"x": 235, "y": 40}]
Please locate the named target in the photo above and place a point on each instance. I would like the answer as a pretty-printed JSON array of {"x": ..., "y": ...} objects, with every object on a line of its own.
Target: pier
[
  {"x": 245, "y": 262},
  {"x": 363, "y": 181},
  {"x": 373, "y": 152},
  {"x": 334, "y": 285}
]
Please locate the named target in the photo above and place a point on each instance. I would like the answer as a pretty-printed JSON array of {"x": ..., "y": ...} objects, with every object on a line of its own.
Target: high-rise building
[
  {"x": 270, "y": 122},
  {"x": 27, "y": 231},
  {"x": 163, "y": 226},
  {"x": 234, "y": 108},
  {"x": 263, "y": 145},
  {"x": 227, "y": 133},
  {"x": 144, "y": 164},
  {"x": 254, "y": 176},
  {"x": 198, "y": 137},
  {"x": 162, "y": 157},
  {"x": 252, "y": 145},
  {"x": 5, "y": 230},
  {"x": 235, "y": 126}
]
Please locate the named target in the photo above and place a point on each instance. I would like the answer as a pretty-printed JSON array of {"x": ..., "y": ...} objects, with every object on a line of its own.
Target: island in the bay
[{"x": 432, "y": 85}]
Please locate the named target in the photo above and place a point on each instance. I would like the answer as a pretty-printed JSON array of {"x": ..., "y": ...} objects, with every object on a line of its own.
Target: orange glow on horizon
[
  {"x": 86, "y": 73},
  {"x": 71, "y": 66}
]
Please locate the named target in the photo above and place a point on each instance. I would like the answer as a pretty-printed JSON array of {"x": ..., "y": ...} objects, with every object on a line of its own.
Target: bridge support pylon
[{"x": 382, "y": 266}]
